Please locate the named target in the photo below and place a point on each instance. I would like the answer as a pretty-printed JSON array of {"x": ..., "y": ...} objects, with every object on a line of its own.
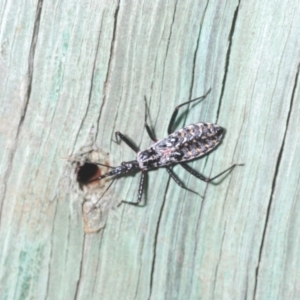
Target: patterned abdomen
[{"x": 185, "y": 144}]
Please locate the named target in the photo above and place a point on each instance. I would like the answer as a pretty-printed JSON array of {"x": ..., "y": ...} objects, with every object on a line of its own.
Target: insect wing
[
  {"x": 190, "y": 142},
  {"x": 196, "y": 140},
  {"x": 185, "y": 144}
]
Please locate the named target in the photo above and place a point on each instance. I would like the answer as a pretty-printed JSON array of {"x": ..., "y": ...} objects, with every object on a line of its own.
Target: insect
[{"x": 183, "y": 145}]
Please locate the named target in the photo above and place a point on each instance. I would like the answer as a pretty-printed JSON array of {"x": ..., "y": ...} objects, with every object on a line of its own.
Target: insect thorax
[{"x": 185, "y": 144}]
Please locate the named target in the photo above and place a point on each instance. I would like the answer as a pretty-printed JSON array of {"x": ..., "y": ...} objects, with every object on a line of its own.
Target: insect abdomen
[
  {"x": 185, "y": 144},
  {"x": 198, "y": 140}
]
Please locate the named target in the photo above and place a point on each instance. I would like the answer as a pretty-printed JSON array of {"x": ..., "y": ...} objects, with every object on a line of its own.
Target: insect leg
[
  {"x": 227, "y": 170},
  {"x": 173, "y": 176},
  {"x": 149, "y": 130},
  {"x": 201, "y": 177},
  {"x": 120, "y": 136},
  {"x": 140, "y": 190},
  {"x": 154, "y": 139},
  {"x": 170, "y": 130}
]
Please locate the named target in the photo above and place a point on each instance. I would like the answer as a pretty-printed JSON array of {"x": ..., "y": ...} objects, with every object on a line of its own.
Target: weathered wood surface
[{"x": 68, "y": 66}]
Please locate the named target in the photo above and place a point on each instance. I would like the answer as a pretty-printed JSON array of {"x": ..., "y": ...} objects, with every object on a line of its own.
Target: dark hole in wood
[{"x": 87, "y": 173}]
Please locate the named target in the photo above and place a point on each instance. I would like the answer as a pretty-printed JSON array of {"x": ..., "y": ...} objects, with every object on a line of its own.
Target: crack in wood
[
  {"x": 230, "y": 37},
  {"x": 155, "y": 240},
  {"x": 278, "y": 164}
]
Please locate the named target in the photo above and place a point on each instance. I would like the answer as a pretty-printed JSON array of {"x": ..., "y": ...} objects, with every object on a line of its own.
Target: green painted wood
[{"x": 74, "y": 72}]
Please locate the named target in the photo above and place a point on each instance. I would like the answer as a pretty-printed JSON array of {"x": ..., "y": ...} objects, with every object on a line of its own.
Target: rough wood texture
[{"x": 75, "y": 70}]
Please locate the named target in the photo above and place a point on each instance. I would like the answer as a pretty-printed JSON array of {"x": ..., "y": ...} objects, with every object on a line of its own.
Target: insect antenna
[
  {"x": 103, "y": 165},
  {"x": 105, "y": 191},
  {"x": 95, "y": 205}
]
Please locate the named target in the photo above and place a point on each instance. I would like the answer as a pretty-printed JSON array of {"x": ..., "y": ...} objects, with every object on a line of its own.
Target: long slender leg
[
  {"x": 173, "y": 176},
  {"x": 154, "y": 139},
  {"x": 150, "y": 133},
  {"x": 140, "y": 191},
  {"x": 149, "y": 130},
  {"x": 201, "y": 177},
  {"x": 120, "y": 136},
  {"x": 170, "y": 130}
]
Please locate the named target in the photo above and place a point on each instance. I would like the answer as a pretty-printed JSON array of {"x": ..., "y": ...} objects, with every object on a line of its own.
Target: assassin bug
[{"x": 183, "y": 145}]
